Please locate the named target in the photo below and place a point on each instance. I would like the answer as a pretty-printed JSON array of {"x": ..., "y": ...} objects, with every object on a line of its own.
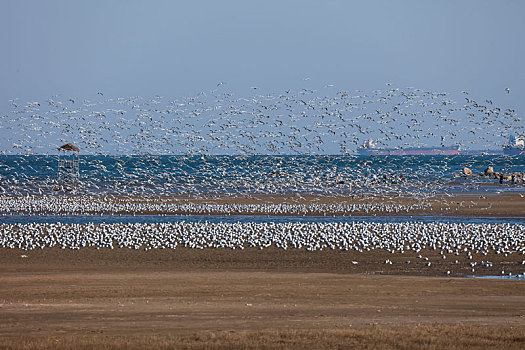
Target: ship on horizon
[
  {"x": 515, "y": 146},
  {"x": 369, "y": 149}
]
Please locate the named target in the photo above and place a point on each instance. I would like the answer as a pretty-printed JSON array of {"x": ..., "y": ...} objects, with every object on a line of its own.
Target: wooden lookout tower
[{"x": 68, "y": 163}]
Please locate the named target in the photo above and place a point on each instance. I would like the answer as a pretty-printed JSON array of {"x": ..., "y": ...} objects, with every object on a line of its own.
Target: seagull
[{"x": 507, "y": 90}]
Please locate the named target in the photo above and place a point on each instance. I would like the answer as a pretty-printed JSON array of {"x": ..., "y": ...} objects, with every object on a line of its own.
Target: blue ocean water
[
  {"x": 263, "y": 174},
  {"x": 149, "y": 219}
]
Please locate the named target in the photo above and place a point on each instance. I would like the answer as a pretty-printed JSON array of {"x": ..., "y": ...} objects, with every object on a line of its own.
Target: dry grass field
[
  {"x": 76, "y": 300},
  {"x": 364, "y": 337}
]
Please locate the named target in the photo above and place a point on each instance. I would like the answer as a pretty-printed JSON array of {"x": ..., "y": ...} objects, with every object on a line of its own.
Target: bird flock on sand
[
  {"x": 82, "y": 205},
  {"x": 451, "y": 239}
]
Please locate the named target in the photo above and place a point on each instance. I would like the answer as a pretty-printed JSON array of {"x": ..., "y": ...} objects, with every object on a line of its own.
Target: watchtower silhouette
[{"x": 68, "y": 164}]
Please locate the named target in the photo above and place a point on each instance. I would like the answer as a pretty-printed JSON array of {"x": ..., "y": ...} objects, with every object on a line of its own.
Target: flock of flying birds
[
  {"x": 216, "y": 122},
  {"x": 306, "y": 121}
]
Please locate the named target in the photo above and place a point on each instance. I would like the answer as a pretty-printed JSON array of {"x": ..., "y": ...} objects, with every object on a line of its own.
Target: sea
[
  {"x": 254, "y": 175},
  {"x": 155, "y": 219},
  {"x": 257, "y": 174}
]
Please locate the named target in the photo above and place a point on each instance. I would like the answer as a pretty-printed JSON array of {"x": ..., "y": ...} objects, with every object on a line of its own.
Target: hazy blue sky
[{"x": 175, "y": 48}]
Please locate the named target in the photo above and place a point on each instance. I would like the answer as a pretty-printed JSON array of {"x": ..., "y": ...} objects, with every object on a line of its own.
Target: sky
[{"x": 179, "y": 48}]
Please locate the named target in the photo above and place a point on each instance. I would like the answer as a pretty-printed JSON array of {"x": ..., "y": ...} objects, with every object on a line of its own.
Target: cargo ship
[
  {"x": 369, "y": 149},
  {"x": 514, "y": 147}
]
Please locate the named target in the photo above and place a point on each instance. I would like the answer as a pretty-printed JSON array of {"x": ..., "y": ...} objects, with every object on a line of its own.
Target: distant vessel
[
  {"x": 370, "y": 149},
  {"x": 481, "y": 152},
  {"x": 514, "y": 146}
]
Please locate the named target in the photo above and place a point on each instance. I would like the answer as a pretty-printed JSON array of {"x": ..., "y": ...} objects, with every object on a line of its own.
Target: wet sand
[{"x": 270, "y": 259}]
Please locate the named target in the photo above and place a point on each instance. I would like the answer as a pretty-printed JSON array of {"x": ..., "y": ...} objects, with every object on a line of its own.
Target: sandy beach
[
  {"x": 270, "y": 299},
  {"x": 266, "y": 299}
]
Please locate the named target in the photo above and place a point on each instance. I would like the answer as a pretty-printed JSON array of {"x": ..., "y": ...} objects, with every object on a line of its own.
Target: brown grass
[
  {"x": 260, "y": 310},
  {"x": 367, "y": 337}
]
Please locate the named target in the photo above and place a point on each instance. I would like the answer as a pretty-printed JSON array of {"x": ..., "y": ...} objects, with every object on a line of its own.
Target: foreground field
[
  {"x": 363, "y": 337},
  {"x": 98, "y": 302}
]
